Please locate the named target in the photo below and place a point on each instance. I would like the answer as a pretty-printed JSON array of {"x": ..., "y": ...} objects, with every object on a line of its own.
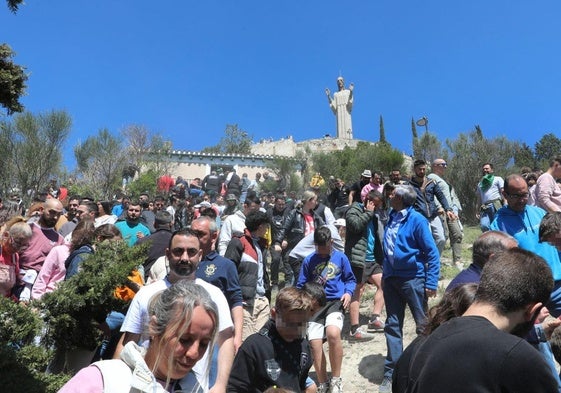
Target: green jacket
[{"x": 357, "y": 220}]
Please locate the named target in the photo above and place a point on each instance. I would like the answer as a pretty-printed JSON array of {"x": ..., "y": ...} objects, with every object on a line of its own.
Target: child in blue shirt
[{"x": 332, "y": 269}]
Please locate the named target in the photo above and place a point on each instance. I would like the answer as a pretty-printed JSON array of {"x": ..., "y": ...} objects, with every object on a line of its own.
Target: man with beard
[
  {"x": 489, "y": 333},
  {"x": 43, "y": 239},
  {"x": 428, "y": 192},
  {"x": 184, "y": 254},
  {"x": 71, "y": 209},
  {"x": 131, "y": 228}
]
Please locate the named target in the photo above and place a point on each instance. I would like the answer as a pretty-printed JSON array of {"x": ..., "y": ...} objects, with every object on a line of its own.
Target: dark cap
[
  {"x": 163, "y": 217},
  {"x": 231, "y": 197}
]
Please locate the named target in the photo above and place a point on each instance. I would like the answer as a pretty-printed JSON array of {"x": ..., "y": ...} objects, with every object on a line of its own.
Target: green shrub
[{"x": 73, "y": 311}]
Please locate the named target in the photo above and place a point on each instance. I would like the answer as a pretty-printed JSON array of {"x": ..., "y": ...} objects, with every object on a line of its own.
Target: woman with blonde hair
[
  {"x": 183, "y": 324},
  {"x": 15, "y": 239}
]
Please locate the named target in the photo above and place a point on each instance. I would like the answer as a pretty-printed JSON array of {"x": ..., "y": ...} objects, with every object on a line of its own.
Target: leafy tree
[
  {"x": 12, "y": 81},
  {"x": 234, "y": 141},
  {"x": 524, "y": 156},
  {"x": 546, "y": 148},
  {"x": 382, "y": 131},
  {"x": 145, "y": 182},
  {"x": 428, "y": 147},
  {"x": 349, "y": 163},
  {"x": 468, "y": 152},
  {"x": 100, "y": 161},
  {"x": 31, "y": 150},
  {"x": 147, "y": 151}
]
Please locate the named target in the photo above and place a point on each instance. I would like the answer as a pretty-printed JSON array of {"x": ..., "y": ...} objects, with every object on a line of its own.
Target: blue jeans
[
  {"x": 486, "y": 217},
  {"x": 399, "y": 292}
]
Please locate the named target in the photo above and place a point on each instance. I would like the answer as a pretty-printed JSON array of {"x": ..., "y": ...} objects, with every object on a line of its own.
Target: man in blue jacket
[{"x": 410, "y": 272}]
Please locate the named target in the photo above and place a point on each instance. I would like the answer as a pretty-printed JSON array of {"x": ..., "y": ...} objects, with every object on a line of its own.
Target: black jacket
[
  {"x": 294, "y": 228},
  {"x": 266, "y": 360}
]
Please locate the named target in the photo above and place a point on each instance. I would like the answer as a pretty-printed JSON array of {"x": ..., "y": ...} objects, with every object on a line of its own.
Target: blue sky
[{"x": 186, "y": 69}]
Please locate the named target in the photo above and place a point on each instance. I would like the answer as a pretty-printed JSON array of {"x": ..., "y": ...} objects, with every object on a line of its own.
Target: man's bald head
[
  {"x": 489, "y": 244},
  {"x": 50, "y": 213}
]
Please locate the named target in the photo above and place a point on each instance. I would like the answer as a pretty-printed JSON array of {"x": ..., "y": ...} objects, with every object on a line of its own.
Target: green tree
[
  {"x": 12, "y": 81},
  {"x": 415, "y": 137},
  {"x": 428, "y": 147},
  {"x": 524, "y": 156},
  {"x": 468, "y": 152},
  {"x": 31, "y": 150},
  {"x": 382, "y": 131},
  {"x": 147, "y": 151},
  {"x": 100, "y": 162},
  {"x": 234, "y": 141},
  {"x": 349, "y": 163},
  {"x": 546, "y": 148},
  {"x": 283, "y": 168},
  {"x": 145, "y": 182}
]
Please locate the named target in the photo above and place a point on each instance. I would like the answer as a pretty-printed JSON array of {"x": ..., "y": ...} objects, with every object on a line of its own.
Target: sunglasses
[
  {"x": 519, "y": 196},
  {"x": 179, "y": 251},
  {"x": 444, "y": 165}
]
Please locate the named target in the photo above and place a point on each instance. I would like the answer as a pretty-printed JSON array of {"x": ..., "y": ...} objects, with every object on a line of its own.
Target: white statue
[{"x": 342, "y": 104}]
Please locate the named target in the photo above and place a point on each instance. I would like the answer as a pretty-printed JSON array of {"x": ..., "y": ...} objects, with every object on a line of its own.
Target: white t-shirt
[
  {"x": 494, "y": 192},
  {"x": 136, "y": 320}
]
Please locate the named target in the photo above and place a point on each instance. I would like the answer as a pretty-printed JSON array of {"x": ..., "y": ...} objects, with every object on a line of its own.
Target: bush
[
  {"x": 22, "y": 362},
  {"x": 73, "y": 311}
]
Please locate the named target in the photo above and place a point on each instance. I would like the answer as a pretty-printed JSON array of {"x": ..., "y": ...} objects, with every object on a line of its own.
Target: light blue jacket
[{"x": 525, "y": 227}]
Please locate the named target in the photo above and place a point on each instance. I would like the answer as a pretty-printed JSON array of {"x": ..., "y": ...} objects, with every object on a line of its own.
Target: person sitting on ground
[{"x": 183, "y": 324}]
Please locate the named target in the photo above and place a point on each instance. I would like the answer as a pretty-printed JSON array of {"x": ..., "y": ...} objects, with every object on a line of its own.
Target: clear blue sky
[{"x": 185, "y": 69}]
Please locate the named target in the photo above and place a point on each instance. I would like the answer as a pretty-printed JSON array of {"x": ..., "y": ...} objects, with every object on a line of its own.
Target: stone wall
[{"x": 287, "y": 147}]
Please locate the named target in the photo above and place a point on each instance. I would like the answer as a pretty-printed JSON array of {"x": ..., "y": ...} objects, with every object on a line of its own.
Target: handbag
[{"x": 7, "y": 278}]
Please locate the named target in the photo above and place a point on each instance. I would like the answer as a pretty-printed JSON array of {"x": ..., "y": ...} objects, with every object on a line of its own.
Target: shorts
[
  {"x": 363, "y": 273},
  {"x": 329, "y": 315}
]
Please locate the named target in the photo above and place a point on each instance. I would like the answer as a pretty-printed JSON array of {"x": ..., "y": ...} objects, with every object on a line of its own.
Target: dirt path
[{"x": 363, "y": 362}]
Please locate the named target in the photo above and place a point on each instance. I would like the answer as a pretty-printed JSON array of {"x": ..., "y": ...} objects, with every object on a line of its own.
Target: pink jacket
[
  {"x": 52, "y": 271},
  {"x": 548, "y": 193}
]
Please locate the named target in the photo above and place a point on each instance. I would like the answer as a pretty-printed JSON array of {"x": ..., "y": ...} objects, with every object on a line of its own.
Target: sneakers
[
  {"x": 376, "y": 325},
  {"x": 386, "y": 385},
  {"x": 361, "y": 335},
  {"x": 336, "y": 385},
  {"x": 323, "y": 387}
]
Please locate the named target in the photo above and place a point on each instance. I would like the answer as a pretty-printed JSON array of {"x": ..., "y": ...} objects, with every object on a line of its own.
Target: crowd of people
[{"x": 240, "y": 289}]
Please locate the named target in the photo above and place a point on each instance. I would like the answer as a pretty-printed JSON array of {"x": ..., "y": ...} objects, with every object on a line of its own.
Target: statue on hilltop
[{"x": 342, "y": 104}]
